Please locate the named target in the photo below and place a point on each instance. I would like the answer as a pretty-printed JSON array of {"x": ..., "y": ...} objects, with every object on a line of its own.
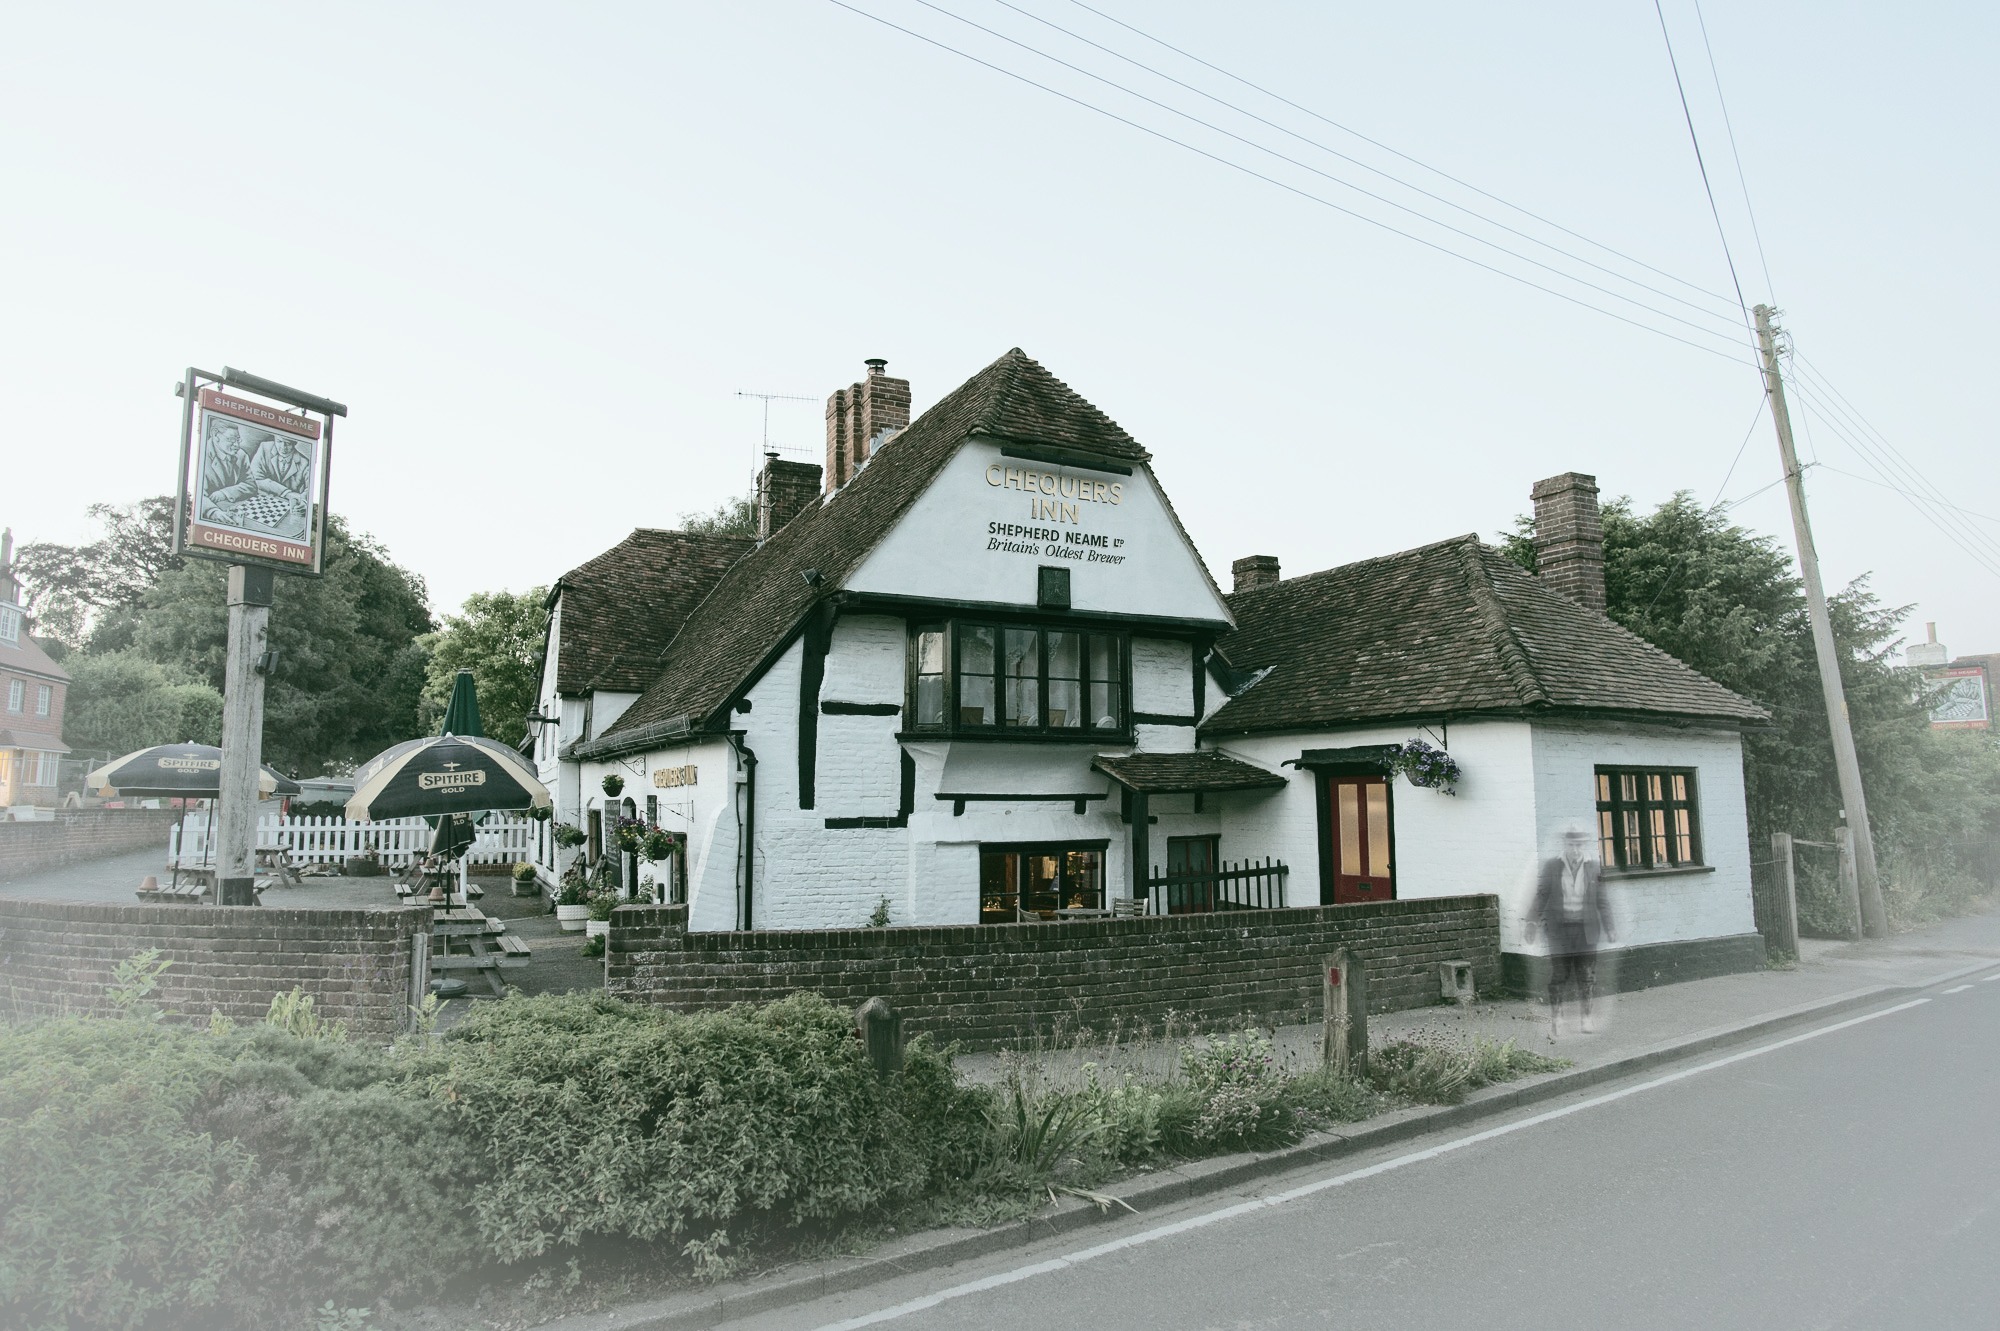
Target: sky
[{"x": 539, "y": 251}]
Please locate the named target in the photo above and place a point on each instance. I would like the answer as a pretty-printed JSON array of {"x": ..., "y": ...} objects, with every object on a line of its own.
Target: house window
[
  {"x": 44, "y": 770},
  {"x": 1648, "y": 818},
  {"x": 17, "y": 693},
  {"x": 44, "y": 697},
  {"x": 10, "y": 624},
  {"x": 1036, "y": 881},
  {"x": 1031, "y": 679}
]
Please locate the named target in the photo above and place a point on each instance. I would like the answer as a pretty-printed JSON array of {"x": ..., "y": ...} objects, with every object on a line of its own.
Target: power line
[
  {"x": 1695, "y": 139},
  {"x": 1770, "y": 287},
  {"x": 1376, "y": 143},
  {"x": 1296, "y": 190},
  {"x": 1325, "y": 175},
  {"x": 1866, "y": 480},
  {"x": 1330, "y": 151},
  {"x": 1755, "y": 416}
]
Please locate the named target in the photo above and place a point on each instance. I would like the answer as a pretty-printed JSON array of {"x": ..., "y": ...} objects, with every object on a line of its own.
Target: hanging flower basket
[
  {"x": 630, "y": 835},
  {"x": 659, "y": 844},
  {"x": 1426, "y": 765},
  {"x": 613, "y": 784},
  {"x": 569, "y": 835}
]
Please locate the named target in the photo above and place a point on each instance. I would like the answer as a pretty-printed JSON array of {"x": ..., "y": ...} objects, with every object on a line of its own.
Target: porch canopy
[{"x": 1203, "y": 772}]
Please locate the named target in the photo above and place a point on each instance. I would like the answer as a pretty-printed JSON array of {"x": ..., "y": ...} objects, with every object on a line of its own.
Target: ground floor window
[
  {"x": 42, "y": 772},
  {"x": 1036, "y": 881},
  {"x": 1647, "y": 818}
]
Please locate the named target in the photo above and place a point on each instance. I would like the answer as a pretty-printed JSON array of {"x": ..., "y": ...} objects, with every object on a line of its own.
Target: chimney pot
[
  {"x": 1569, "y": 537},
  {"x": 1254, "y": 571},
  {"x": 875, "y": 365}
]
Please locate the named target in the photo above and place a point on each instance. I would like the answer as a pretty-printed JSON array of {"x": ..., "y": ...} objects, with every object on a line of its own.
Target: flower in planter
[
  {"x": 1427, "y": 766},
  {"x": 630, "y": 835},
  {"x": 574, "y": 890},
  {"x": 569, "y": 835},
  {"x": 524, "y": 872},
  {"x": 613, "y": 784},
  {"x": 659, "y": 844},
  {"x": 602, "y": 904}
]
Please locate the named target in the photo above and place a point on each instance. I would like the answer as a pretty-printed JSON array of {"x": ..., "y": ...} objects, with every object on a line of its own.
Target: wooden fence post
[
  {"x": 1850, "y": 878},
  {"x": 1344, "y": 1029},
  {"x": 1785, "y": 896}
]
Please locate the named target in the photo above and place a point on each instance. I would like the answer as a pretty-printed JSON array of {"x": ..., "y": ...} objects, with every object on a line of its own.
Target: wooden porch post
[{"x": 1142, "y": 855}]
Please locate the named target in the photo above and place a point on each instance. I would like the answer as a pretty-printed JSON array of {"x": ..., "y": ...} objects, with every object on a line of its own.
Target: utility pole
[
  {"x": 242, "y": 733},
  {"x": 1874, "y": 920}
]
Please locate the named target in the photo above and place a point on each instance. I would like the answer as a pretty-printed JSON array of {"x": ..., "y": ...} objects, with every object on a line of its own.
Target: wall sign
[
  {"x": 1961, "y": 701},
  {"x": 668, "y": 778},
  {"x": 1059, "y": 497}
]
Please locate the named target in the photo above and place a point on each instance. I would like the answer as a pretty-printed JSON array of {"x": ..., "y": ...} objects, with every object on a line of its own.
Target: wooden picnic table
[{"x": 483, "y": 945}]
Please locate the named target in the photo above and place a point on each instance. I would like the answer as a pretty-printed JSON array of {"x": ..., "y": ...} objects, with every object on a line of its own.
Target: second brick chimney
[
  {"x": 784, "y": 489},
  {"x": 1254, "y": 571},
  {"x": 859, "y": 418},
  {"x": 1569, "y": 537}
]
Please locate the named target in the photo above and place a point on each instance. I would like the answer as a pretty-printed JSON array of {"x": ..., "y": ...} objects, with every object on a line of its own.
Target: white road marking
[
  {"x": 1988, "y": 979},
  {"x": 1257, "y": 1204},
  {"x": 1958, "y": 989}
]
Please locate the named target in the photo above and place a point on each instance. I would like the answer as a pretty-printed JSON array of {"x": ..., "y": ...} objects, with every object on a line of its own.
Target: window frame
[
  {"x": 45, "y": 699},
  {"x": 10, "y": 623},
  {"x": 954, "y": 631},
  {"x": 17, "y": 696},
  {"x": 1615, "y": 839},
  {"x": 1100, "y": 847}
]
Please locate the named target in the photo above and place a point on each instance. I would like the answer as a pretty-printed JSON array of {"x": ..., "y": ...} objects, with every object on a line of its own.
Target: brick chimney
[
  {"x": 784, "y": 489},
  {"x": 858, "y": 420},
  {"x": 10, "y": 590},
  {"x": 1569, "y": 537},
  {"x": 1254, "y": 571}
]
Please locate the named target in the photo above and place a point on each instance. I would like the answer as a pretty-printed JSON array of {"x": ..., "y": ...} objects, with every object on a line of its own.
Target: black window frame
[
  {"x": 1659, "y": 847},
  {"x": 992, "y": 912},
  {"x": 954, "y": 726}
]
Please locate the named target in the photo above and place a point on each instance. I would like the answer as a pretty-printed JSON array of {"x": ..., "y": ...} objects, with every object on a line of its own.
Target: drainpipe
[{"x": 746, "y": 824}]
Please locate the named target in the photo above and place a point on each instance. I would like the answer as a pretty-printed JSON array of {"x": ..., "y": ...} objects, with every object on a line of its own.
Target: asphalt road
[{"x": 1846, "y": 1175}]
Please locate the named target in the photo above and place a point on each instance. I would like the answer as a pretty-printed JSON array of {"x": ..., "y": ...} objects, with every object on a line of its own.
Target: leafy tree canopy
[
  {"x": 734, "y": 517},
  {"x": 1728, "y": 602},
  {"x": 498, "y": 636},
  {"x": 121, "y": 701}
]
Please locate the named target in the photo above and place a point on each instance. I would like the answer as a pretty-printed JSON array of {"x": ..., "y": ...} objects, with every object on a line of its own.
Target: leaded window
[
  {"x": 1027, "y": 679},
  {"x": 1648, "y": 818}
]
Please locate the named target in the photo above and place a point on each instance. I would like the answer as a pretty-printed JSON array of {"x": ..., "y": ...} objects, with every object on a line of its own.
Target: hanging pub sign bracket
[{"x": 254, "y": 478}]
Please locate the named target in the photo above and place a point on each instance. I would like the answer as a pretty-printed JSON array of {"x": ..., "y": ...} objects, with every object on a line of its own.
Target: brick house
[
  {"x": 974, "y": 670},
  {"x": 31, "y": 701}
]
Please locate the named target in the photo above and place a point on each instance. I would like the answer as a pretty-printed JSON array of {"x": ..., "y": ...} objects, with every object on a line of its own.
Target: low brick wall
[
  {"x": 86, "y": 834},
  {"x": 988, "y": 985},
  {"x": 357, "y": 964},
  {"x": 1624, "y": 969}
]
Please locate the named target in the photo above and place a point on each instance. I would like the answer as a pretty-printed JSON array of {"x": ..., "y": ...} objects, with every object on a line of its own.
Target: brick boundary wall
[
  {"x": 358, "y": 965},
  {"x": 988, "y": 985},
  {"x": 88, "y": 834}
]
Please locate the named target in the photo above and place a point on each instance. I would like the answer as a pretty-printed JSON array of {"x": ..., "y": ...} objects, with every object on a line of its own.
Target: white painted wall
[
  {"x": 943, "y": 548},
  {"x": 1649, "y": 908}
]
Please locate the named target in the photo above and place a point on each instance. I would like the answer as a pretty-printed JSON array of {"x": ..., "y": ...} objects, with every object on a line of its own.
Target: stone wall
[
  {"x": 988, "y": 985},
  {"x": 87, "y": 834},
  {"x": 362, "y": 967}
]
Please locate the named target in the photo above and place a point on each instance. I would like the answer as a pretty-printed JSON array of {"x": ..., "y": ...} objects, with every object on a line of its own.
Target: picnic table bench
[{"x": 487, "y": 947}]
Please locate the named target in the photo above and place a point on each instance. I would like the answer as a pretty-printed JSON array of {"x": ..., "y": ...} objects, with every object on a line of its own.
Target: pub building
[{"x": 974, "y": 669}]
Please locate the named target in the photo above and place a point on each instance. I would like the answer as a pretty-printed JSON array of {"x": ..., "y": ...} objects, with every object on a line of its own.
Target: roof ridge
[
  {"x": 1353, "y": 564},
  {"x": 1493, "y": 618}
]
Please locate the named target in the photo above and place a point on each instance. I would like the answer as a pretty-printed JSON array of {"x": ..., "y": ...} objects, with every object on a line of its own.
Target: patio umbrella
[
  {"x": 179, "y": 771},
  {"x": 461, "y": 714},
  {"x": 444, "y": 774}
]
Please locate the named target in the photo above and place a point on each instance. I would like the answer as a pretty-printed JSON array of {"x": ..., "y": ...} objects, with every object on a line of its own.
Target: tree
[
  {"x": 71, "y": 587},
  {"x": 121, "y": 701},
  {"x": 349, "y": 667},
  {"x": 1727, "y": 602},
  {"x": 498, "y": 636},
  {"x": 732, "y": 517}
]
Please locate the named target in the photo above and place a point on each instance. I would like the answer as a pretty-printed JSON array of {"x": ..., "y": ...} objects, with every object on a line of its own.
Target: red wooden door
[{"x": 1358, "y": 819}]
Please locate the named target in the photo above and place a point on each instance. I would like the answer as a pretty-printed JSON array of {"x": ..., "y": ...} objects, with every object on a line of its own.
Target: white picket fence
[{"x": 499, "y": 840}]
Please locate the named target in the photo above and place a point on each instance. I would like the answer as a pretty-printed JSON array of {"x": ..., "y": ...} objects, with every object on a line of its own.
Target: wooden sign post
[{"x": 1344, "y": 1033}]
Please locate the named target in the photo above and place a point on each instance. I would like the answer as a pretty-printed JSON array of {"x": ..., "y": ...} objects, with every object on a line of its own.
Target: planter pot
[
  {"x": 573, "y": 918},
  {"x": 359, "y": 866},
  {"x": 531, "y": 888},
  {"x": 596, "y": 928}
]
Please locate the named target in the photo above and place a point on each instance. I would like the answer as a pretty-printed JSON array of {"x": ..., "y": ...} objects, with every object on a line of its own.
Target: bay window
[{"x": 1025, "y": 679}]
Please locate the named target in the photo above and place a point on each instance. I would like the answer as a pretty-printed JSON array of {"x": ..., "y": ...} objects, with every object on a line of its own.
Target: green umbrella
[{"x": 461, "y": 714}]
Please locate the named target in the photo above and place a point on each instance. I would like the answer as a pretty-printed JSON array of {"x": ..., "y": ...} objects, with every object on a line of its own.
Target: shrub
[
  {"x": 1432, "y": 1069},
  {"x": 524, "y": 872}
]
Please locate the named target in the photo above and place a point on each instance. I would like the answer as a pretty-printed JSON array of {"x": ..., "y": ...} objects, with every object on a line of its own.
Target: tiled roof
[
  {"x": 1450, "y": 629},
  {"x": 26, "y": 655},
  {"x": 621, "y": 609},
  {"x": 1184, "y": 773},
  {"x": 759, "y": 602}
]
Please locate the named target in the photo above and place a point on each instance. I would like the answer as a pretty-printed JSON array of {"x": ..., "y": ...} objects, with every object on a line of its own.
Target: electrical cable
[
  {"x": 1333, "y": 152},
  {"x": 1324, "y": 175},
  {"x": 1707, "y": 189},
  {"x": 1296, "y": 190},
  {"x": 1376, "y": 143},
  {"x": 1769, "y": 286},
  {"x": 1865, "y": 480}
]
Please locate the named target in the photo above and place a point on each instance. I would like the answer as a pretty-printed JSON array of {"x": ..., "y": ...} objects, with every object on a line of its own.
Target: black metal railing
[{"x": 1246, "y": 885}]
